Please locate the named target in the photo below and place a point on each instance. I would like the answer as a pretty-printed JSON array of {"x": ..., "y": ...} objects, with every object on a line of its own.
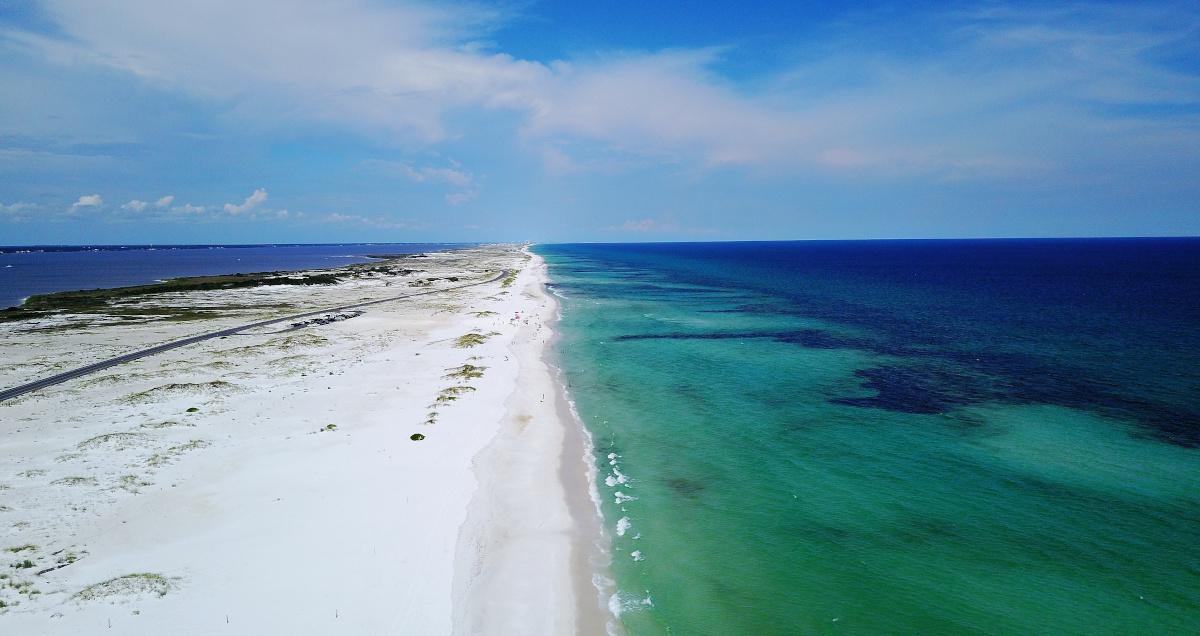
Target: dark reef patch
[
  {"x": 941, "y": 386},
  {"x": 810, "y": 338},
  {"x": 690, "y": 488}
]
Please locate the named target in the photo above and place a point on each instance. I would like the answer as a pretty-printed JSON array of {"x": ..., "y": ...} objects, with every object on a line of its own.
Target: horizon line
[{"x": 648, "y": 242}]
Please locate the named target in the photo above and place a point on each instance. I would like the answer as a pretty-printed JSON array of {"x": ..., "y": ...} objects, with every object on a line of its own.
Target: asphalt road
[{"x": 8, "y": 394}]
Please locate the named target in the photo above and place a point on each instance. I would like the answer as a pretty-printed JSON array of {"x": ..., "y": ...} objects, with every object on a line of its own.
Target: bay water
[{"x": 39, "y": 269}]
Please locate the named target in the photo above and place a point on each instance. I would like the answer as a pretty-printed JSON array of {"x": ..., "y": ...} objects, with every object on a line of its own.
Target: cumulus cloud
[
  {"x": 188, "y": 208},
  {"x": 251, "y": 202},
  {"x": 137, "y": 205},
  {"x": 88, "y": 201}
]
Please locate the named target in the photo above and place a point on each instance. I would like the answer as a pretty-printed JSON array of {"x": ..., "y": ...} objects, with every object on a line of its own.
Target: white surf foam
[
  {"x": 622, "y": 525},
  {"x": 623, "y": 602}
]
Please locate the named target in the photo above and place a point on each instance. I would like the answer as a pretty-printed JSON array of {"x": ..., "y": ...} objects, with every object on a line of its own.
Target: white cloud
[
  {"x": 1019, "y": 92},
  {"x": 16, "y": 210},
  {"x": 445, "y": 175},
  {"x": 454, "y": 176},
  {"x": 139, "y": 206},
  {"x": 378, "y": 222},
  {"x": 652, "y": 225},
  {"x": 188, "y": 208},
  {"x": 251, "y": 202},
  {"x": 367, "y": 65},
  {"x": 557, "y": 162},
  {"x": 643, "y": 225},
  {"x": 667, "y": 105},
  {"x": 88, "y": 201},
  {"x": 459, "y": 198}
]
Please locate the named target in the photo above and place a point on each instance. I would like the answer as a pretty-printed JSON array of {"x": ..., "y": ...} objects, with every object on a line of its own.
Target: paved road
[{"x": 8, "y": 394}]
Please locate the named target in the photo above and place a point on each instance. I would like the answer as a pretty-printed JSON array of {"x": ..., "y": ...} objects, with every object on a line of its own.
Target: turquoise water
[{"x": 907, "y": 438}]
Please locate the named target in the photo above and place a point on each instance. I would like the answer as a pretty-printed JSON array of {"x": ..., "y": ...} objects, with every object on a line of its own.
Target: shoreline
[
  {"x": 529, "y": 551},
  {"x": 577, "y": 470},
  {"x": 593, "y": 556},
  {"x": 581, "y": 477}
]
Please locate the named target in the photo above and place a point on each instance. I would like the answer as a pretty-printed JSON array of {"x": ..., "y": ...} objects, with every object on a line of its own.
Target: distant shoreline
[
  {"x": 38, "y": 270},
  {"x": 130, "y": 247}
]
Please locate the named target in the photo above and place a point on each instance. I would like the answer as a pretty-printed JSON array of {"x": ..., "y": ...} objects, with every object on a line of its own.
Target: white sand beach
[{"x": 267, "y": 482}]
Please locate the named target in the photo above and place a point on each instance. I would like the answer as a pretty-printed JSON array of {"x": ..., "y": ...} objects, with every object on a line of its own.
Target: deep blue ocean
[
  {"x": 28, "y": 270},
  {"x": 893, "y": 437}
]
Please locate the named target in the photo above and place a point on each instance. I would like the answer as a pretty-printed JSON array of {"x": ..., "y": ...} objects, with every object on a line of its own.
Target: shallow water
[{"x": 952, "y": 437}]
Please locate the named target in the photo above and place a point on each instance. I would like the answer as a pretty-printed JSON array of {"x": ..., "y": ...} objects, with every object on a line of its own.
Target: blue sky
[{"x": 141, "y": 121}]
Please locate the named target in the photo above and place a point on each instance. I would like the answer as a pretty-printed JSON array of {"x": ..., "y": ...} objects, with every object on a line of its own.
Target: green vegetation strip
[{"x": 100, "y": 300}]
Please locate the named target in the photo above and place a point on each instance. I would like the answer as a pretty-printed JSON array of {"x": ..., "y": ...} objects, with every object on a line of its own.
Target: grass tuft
[
  {"x": 133, "y": 483},
  {"x": 165, "y": 457},
  {"x": 465, "y": 372},
  {"x": 74, "y": 481},
  {"x": 469, "y": 340},
  {"x": 117, "y": 440},
  {"x": 139, "y": 583}
]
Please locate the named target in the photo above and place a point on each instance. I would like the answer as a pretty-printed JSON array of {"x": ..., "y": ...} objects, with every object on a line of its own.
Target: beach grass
[
  {"x": 129, "y": 584},
  {"x": 161, "y": 459},
  {"x": 469, "y": 340},
  {"x": 466, "y": 372}
]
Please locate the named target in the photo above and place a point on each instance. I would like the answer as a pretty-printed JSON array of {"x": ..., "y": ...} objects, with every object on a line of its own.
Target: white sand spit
[{"x": 396, "y": 472}]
